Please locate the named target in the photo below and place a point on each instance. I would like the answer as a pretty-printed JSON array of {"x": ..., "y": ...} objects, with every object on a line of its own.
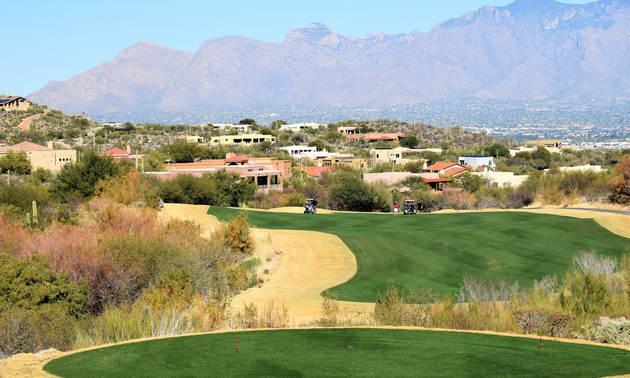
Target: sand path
[
  {"x": 310, "y": 262},
  {"x": 25, "y": 124}
]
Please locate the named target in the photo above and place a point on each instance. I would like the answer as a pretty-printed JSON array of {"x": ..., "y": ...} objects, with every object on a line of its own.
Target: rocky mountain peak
[{"x": 315, "y": 33}]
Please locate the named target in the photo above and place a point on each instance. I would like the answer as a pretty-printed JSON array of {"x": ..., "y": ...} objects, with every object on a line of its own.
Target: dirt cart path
[{"x": 310, "y": 262}]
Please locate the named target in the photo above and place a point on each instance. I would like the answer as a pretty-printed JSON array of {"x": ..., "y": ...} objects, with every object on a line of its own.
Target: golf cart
[
  {"x": 311, "y": 206},
  {"x": 410, "y": 207}
]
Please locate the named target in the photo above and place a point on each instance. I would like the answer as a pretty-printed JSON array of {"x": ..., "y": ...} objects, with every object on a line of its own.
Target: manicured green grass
[
  {"x": 438, "y": 250},
  {"x": 344, "y": 353}
]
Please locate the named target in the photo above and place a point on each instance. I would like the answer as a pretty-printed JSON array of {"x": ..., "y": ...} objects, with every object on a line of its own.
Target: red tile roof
[
  {"x": 25, "y": 146},
  {"x": 317, "y": 171},
  {"x": 439, "y": 166},
  {"x": 454, "y": 171},
  {"x": 237, "y": 159},
  {"x": 116, "y": 151}
]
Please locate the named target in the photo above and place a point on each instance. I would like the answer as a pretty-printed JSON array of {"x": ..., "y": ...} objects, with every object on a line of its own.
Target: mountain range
[{"x": 527, "y": 50}]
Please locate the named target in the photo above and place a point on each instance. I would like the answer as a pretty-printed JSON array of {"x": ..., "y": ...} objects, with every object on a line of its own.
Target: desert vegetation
[{"x": 119, "y": 273}]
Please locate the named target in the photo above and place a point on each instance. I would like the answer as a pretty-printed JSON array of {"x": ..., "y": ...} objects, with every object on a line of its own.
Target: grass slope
[
  {"x": 437, "y": 250},
  {"x": 344, "y": 353}
]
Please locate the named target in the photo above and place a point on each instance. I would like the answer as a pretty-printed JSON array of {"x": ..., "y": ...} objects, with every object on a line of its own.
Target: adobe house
[
  {"x": 448, "y": 169},
  {"x": 373, "y": 137},
  {"x": 264, "y": 176},
  {"x": 44, "y": 157},
  {"x": 242, "y": 139},
  {"x": 553, "y": 145},
  {"x": 9, "y": 103}
]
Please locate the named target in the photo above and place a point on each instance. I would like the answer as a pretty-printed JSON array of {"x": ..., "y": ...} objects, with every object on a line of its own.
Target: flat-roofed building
[
  {"x": 298, "y": 150},
  {"x": 296, "y": 127},
  {"x": 476, "y": 160},
  {"x": 44, "y": 157},
  {"x": 553, "y": 145},
  {"x": 242, "y": 139}
]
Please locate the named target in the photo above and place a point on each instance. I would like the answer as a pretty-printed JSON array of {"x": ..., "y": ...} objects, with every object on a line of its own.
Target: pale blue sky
[{"x": 55, "y": 40}]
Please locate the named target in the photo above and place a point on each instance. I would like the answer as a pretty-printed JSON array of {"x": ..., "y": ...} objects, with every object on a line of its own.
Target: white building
[
  {"x": 298, "y": 150},
  {"x": 296, "y": 127},
  {"x": 477, "y": 160},
  {"x": 502, "y": 178}
]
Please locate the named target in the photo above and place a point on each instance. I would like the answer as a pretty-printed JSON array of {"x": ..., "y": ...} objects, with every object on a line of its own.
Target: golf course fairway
[
  {"x": 436, "y": 251},
  {"x": 344, "y": 353}
]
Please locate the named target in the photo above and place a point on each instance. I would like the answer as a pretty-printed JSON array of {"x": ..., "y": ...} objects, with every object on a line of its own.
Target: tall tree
[
  {"x": 79, "y": 179},
  {"x": 15, "y": 162}
]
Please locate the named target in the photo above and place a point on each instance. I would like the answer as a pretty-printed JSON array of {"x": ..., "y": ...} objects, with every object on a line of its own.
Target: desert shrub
[
  {"x": 236, "y": 235},
  {"x": 478, "y": 290},
  {"x": 472, "y": 183},
  {"x": 599, "y": 265},
  {"x": 173, "y": 289},
  {"x": 427, "y": 201},
  {"x": 190, "y": 189},
  {"x": 389, "y": 306},
  {"x": 545, "y": 322},
  {"x": 132, "y": 187},
  {"x": 398, "y": 307},
  {"x": 237, "y": 278},
  {"x": 607, "y": 330},
  {"x": 30, "y": 331},
  {"x": 30, "y": 284},
  {"x": 294, "y": 200},
  {"x": 20, "y": 197},
  {"x": 348, "y": 191},
  {"x": 620, "y": 182},
  {"x": 16, "y": 163},
  {"x": 520, "y": 198},
  {"x": 118, "y": 324},
  {"x": 492, "y": 197},
  {"x": 266, "y": 201},
  {"x": 383, "y": 199},
  {"x": 330, "y": 311},
  {"x": 272, "y": 317},
  {"x": 80, "y": 179},
  {"x": 585, "y": 295}
]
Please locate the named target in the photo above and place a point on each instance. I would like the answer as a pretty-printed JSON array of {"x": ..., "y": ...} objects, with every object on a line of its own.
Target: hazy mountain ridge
[{"x": 527, "y": 50}]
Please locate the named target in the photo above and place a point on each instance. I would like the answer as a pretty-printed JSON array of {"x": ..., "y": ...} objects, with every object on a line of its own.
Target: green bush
[
  {"x": 29, "y": 284},
  {"x": 294, "y": 200}
]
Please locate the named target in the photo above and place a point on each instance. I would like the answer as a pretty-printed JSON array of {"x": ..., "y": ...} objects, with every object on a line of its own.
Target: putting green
[
  {"x": 438, "y": 250},
  {"x": 344, "y": 353}
]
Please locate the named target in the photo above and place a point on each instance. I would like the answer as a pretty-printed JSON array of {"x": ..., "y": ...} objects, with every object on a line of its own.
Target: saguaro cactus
[{"x": 34, "y": 212}]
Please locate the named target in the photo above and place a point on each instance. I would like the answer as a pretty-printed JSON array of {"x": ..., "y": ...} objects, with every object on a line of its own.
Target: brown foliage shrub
[
  {"x": 236, "y": 235},
  {"x": 545, "y": 322},
  {"x": 129, "y": 189}
]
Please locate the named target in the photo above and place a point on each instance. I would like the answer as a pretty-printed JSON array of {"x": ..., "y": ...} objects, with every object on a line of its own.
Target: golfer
[{"x": 395, "y": 208}]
